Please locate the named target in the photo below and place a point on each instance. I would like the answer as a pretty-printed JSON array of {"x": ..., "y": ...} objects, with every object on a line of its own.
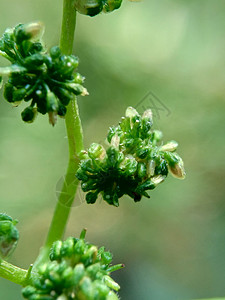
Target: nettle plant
[{"x": 133, "y": 162}]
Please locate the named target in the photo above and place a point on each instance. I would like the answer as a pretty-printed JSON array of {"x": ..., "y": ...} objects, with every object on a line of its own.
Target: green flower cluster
[
  {"x": 135, "y": 162},
  {"x": 47, "y": 81},
  {"x": 9, "y": 235},
  {"x": 77, "y": 271},
  {"x": 94, "y": 7}
]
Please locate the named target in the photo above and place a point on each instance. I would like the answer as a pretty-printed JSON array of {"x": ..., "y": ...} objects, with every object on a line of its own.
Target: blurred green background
[{"x": 173, "y": 245}]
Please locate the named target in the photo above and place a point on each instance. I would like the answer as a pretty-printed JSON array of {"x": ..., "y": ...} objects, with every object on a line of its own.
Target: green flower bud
[
  {"x": 8, "y": 92},
  {"x": 77, "y": 89},
  {"x": 157, "y": 135},
  {"x": 55, "y": 252},
  {"x": 176, "y": 165},
  {"x": 64, "y": 95},
  {"x": 131, "y": 112},
  {"x": 111, "y": 5},
  {"x": 55, "y": 52},
  {"x": 67, "y": 248},
  {"x": 61, "y": 110},
  {"x": 141, "y": 170},
  {"x": 9, "y": 235},
  {"x": 170, "y": 146},
  {"x": 106, "y": 257},
  {"x": 79, "y": 247},
  {"x": 28, "y": 291},
  {"x": 28, "y": 31},
  {"x": 129, "y": 165},
  {"x": 78, "y": 78},
  {"x": 79, "y": 272},
  {"x": 90, "y": 256},
  {"x": 68, "y": 64},
  {"x": 96, "y": 151},
  {"x": 111, "y": 283},
  {"x": 20, "y": 94},
  {"x": 91, "y": 197},
  {"x": 52, "y": 102},
  {"x": 29, "y": 114},
  {"x": 8, "y": 39},
  {"x": 33, "y": 61},
  {"x": 89, "y": 7}
]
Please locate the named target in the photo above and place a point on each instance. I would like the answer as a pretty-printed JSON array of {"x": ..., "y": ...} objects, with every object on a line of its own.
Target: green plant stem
[
  {"x": 75, "y": 141},
  {"x": 14, "y": 273}
]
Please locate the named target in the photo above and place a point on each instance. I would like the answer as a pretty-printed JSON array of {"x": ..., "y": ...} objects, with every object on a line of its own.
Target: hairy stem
[
  {"x": 75, "y": 141},
  {"x": 14, "y": 273}
]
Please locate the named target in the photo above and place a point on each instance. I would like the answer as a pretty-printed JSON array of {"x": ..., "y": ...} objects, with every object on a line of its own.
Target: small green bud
[
  {"x": 55, "y": 252},
  {"x": 20, "y": 94},
  {"x": 29, "y": 114},
  {"x": 157, "y": 135},
  {"x": 5, "y": 217},
  {"x": 68, "y": 247},
  {"x": 79, "y": 247},
  {"x": 131, "y": 112},
  {"x": 28, "y": 291},
  {"x": 90, "y": 256},
  {"x": 111, "y": 283},
  {"x": 91, "y": 197},
  {"x": 92, "y": 270},
  {"x": 176, "y": 165},
  {"x": 61, "y": 110},
  {"x": 96, "y": 151},
  {"x": 55, "y": 52},
  {"x": 8, "y": 92},
  {"x": 9, "y": 235},
  {"x": 151, "y": 168},
  {"x": 170, "y": 146},
  {"x": 129, "y": 165},
  {"x": 28, "y": 31},
  {"x": 52, "y": 102},
  {"x": 115, "y": 141},
  {"x": 86, "y": 289},
  {"x": 157, "y": 179},
  {"x": 77, "y": 89},
  {"x": 34, "y": 61},
  {"x": 68, "y": 277},
  {"x": 111, "y": 5},
  {"x": 79, "y": 272},
  {"x": 106, "y": 257},
  {"x": 89, "y": 7},
  {"x": 68, "y": 64},
  {"x": 78, "y": 78},
  {"x": 142, "y": 170},
  {"x": 64, "y": 95}
]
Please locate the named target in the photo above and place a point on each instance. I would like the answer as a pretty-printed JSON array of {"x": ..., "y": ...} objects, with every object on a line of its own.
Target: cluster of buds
[
  {"x": 76, "y": 271},
  {"x": 9, "y": 235},
  {"x": 94, "y": 7},
  {"x": 47, "y": 81},
  {"x": 135, "y": 162}
]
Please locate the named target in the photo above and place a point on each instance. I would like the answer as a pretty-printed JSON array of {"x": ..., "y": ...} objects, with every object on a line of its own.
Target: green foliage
[
  {"x": 136, "y": 161},
  {"x": 47, "y": 81},
  {"x": 77, "y": 270},
  {"x": 94, "y": 7},
  {"x": 9, "y": 235}
]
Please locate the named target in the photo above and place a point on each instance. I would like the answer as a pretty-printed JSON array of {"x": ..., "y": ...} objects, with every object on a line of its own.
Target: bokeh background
[{"x": 168, "y": 55}]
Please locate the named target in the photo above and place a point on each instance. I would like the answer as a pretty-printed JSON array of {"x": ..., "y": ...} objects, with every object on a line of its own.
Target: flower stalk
[{"x": 75, "y": 141}]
